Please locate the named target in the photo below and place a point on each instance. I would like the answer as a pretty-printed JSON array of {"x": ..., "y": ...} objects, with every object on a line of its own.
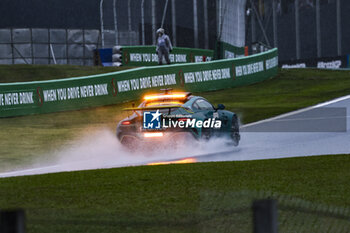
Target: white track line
[
  {"x": 19, "y": 173},
  {"x": 298, "y": 111}
]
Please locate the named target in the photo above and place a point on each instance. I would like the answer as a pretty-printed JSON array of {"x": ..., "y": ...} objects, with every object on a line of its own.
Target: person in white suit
[{"x": 163, "y": 46}]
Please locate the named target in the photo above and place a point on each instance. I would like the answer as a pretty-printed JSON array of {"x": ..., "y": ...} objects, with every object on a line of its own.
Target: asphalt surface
[{"x": 317, "y": 130}]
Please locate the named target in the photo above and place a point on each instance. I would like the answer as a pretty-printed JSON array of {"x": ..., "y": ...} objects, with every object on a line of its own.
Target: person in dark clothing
[{"x": 163, "y": 46}]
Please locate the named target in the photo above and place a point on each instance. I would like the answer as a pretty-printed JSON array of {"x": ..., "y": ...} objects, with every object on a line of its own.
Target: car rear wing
[{"x": 134, "y": 109}]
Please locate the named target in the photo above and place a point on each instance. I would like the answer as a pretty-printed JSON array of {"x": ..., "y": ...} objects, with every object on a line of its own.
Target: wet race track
[{"x": 317, "y": 130}]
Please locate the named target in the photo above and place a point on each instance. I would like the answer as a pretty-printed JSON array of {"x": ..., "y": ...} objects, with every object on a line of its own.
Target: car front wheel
[{"x": 234, "y": 134}]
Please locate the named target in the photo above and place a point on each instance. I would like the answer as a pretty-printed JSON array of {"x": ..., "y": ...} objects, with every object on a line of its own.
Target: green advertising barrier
[
  {"x": 147, "y": 56},
  {"x": 224, "y": 50},
  {"x": 77, "y": 93}
]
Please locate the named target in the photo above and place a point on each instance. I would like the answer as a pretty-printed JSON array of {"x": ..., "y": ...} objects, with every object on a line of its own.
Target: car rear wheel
[{"x": 129, "y": 142}]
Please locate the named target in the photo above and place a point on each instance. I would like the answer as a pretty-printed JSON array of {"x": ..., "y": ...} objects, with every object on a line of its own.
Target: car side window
[
  {"x": 195, "y": 106},
  {"x": 202, "y": 104}
]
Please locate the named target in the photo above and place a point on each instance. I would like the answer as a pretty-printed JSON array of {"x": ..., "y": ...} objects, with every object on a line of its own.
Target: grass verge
[
  {"x": 170, "y": 198},
  {"x": 26, "y": 73}
]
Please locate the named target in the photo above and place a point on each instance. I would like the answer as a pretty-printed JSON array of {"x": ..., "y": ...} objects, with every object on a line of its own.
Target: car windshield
[{"x": 202, "y": 104}]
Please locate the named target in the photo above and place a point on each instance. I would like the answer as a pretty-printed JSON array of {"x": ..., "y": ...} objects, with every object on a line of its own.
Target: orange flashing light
[
  {"x": 163, "y": 103},
  {"x": 181, "y": 161},
  {"x": 153, "y": 135},
  {"x": 167, "y": 96}
]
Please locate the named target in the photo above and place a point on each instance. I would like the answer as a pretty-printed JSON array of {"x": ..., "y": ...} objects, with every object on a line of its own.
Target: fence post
[
  {"x": 153, "y": 22},
  {"x": 173, "y": 21},
  {"x": 206, "y": 32},
  {"x": 252, "y": 22},
  {"x": 31, "y": 44},
  {"x": 101, "y": 23},
  {"x": 164, "y": 13},
  {"x": 129, "y": 22},
  {"x": 115, "y": 22},
  {"x": 84, "y": 45},
  {"x": 318, "y": 29},
  {"x": 265, "y": 216},
  {"x": 142, "y": 21},
  {"x": 67, "y": 50},
  {"x": 12, "y": 221},
  {"x": 274, "y": 18},
  {"x": 195, "y": 24},
  {"x": 12, "y": 47},
  {"x": 297, "y": 34},
  {"x": 339, "y": 40}
]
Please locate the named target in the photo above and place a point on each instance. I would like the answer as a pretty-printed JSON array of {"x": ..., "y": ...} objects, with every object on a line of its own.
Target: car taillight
[
  {"x": 126, "y": 122},
  {"x": 182, "y": 119}
]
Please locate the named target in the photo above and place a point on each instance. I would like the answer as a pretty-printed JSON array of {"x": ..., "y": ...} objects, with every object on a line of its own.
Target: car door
[
  {"x": 206, "y": 110},
  {"x": 203, "y": 111}
]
